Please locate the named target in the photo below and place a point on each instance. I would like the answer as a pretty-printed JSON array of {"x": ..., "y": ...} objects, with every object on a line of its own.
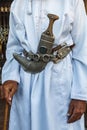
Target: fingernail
[
  {"x": 9, "y": 98},
  {"x": 68, "y": 114}
]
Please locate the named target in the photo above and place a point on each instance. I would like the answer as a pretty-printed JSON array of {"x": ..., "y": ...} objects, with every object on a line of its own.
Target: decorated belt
[{"x": 58, "y": 53}]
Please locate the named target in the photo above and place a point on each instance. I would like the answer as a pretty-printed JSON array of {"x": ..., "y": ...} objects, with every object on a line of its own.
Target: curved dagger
[
  {"x": 45, "y": 47},
  {"x": 28, "y": 65}
]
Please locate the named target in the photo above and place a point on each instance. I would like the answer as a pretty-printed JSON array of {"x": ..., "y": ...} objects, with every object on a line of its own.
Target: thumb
[
  {"x": 11, "y": 94},
  {"x": 70, "y": 110}
]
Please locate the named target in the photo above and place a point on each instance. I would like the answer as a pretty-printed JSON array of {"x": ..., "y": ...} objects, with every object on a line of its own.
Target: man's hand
[
  {"x": 9, "y": 88},
  {"x": 76, "y": 110}
]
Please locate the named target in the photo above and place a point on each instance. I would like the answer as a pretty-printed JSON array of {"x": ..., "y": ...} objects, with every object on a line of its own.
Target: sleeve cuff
[{"x": 79, "y": 97}]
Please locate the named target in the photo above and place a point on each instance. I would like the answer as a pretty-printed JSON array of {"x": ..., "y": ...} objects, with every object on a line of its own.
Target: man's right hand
[{"x": 9, "y": 88}]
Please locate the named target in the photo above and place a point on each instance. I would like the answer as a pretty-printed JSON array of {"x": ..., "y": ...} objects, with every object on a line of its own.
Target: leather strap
[{"x": 60, "y": 46}]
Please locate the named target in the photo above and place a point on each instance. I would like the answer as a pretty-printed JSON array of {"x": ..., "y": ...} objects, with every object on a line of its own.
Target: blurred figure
[{"x": 53, "y": 98}]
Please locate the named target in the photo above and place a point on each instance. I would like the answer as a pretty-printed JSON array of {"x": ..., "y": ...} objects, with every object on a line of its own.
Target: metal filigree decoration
[{"x": 4, "y": 29}]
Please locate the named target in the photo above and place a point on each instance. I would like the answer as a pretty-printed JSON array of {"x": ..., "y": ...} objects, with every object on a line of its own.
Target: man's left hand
[{"x": 76, "y": 110}]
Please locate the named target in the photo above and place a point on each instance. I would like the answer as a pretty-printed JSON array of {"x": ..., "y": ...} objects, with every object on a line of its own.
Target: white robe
[{"x": 42, "y": 99}]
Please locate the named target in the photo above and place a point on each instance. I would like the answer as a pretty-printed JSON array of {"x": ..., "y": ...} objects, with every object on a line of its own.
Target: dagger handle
[{"x": 52, "y": 18}]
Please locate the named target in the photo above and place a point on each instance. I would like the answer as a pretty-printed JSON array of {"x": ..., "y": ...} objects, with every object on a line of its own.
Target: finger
[
  {"x": 70, "y": 111},
  {"x": 12, "y": 92},
  {"x": 9, "y": 101},
  {"x": 6, "y": 93},
  {"x": 74, "y": 117}
]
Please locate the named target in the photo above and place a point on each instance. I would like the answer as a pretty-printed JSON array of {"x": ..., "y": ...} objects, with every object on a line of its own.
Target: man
[{"x": 54, "y": 98}]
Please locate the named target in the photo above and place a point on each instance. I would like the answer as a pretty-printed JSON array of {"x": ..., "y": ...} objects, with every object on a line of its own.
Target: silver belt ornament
[{"x": 35, "y": 63}]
